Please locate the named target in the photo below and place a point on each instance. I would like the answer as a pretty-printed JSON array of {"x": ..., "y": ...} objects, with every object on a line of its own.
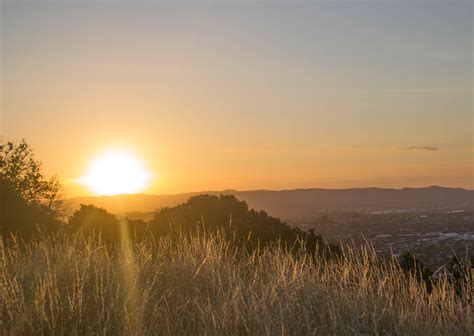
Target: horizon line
[{"x": 270, "y": 190}]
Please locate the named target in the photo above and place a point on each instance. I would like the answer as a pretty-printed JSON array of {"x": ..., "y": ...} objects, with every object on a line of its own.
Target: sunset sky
[{"x": 244, "y": 95}]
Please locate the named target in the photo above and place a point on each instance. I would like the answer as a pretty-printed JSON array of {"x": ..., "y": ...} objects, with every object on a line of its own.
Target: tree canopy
[{"x": 28, "y": 198}]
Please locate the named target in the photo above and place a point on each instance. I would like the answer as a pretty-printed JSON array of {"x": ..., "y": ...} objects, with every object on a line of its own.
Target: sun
[{"x": 115, "y": 172}]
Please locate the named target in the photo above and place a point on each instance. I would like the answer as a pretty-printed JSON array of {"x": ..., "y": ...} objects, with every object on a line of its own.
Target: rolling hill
[{"x": 300, "y": 202}]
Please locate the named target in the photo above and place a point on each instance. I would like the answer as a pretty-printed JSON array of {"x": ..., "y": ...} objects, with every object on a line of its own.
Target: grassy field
[{"x": 185, "y": 286}]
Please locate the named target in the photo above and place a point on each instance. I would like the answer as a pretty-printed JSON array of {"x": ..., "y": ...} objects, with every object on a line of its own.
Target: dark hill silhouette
[
  {"x": 239, "y": 223},
  {"x": 300, "y": 202},
  {"x": 203, "y": 214}
]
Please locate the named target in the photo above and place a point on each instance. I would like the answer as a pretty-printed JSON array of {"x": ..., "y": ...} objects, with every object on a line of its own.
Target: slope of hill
[{"x": 300, "y": 202}]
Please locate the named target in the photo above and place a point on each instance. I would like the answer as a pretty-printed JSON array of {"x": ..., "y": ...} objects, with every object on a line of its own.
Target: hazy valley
[{"x": 432, "y": 222}]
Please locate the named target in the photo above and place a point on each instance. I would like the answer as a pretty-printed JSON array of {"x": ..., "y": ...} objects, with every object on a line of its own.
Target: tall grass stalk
[{"x": 202, "y": 285}]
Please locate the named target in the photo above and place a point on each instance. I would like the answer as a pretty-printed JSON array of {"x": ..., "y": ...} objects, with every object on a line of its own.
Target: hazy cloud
[{"x": 420, "y": 148}]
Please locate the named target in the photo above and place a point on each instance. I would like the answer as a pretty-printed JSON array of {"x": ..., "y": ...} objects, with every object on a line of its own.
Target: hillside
[{"x": 300, "y": 202}]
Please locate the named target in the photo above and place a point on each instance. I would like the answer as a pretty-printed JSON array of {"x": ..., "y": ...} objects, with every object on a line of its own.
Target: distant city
[{"x": 433, "y": 235}]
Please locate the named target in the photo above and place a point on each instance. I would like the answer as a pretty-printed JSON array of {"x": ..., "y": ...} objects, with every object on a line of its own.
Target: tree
[
  {"x": 28, "y": 200},
  {"x": 93, "y": 221},
  {"x": 90, "y": 219},
  {"x": 23, "y": 173}
]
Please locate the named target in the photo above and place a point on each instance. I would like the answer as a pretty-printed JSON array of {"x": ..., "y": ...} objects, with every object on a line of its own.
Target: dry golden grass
[{"x": 78, "y": 286}]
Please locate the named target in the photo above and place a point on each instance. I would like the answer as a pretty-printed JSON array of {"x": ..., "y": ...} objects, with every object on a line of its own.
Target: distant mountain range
[{"x": 300, "y": 202}]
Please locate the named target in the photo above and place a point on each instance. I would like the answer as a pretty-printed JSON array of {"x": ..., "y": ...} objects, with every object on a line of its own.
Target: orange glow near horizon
[{"x": 115, "y": 172}]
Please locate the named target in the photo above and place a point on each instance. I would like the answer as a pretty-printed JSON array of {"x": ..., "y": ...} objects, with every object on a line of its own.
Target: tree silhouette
[
  {"x": 28, "y": 200},
  {"x": 23, "y": 173},
  {"x": 20, "y": 218},
  {"x": 91, "y": 220}
]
